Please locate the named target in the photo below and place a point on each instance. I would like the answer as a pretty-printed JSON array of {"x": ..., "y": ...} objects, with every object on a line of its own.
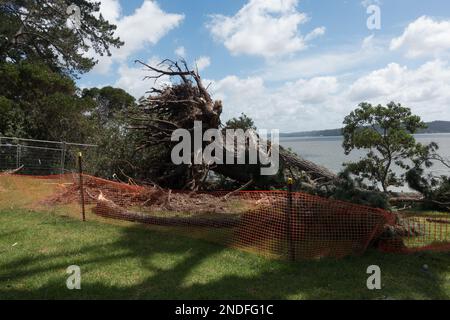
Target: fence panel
[{"x": 40, "y": 157}]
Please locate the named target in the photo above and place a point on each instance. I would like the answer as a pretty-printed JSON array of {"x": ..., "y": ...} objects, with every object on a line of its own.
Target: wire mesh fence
[
  {"x": 280, "y": 224},
  {"x": 40, "y": 157}
]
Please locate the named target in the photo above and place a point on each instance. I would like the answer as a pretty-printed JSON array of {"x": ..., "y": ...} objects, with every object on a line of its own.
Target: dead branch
[
  {"x": 237, "y": 190},
  {"x": 13, "y": 171},
  {"x": 107, "y": 208}
]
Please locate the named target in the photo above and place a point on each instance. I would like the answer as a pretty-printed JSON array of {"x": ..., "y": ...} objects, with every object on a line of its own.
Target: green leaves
[
  {"x": 387, "y": 134},
  {"x": 109, "y": 103},
  {"x": 244, "y": 122},
  {"x": 38, "y": 103},
  {"x": 38, "y": 31}
]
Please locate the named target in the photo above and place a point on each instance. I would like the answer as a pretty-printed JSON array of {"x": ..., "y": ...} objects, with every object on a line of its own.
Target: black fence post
[
  {"x": 290, "y": 213},
  {"x": 80, "y": 172}
]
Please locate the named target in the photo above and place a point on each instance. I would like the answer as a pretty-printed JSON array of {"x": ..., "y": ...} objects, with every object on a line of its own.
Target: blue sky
[{"x": 292, "y": 65}]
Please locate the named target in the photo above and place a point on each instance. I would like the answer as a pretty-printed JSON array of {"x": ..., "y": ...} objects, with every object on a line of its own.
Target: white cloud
[
  {"x": 379, "y": 83},
  {"x": 146, "y": 26},
  {"x": 424, "y": 37},
  {"x": 323, "y": 102},
  {"x": 318, "y": 102},
  {"x": 265, "y": 28},
  {"x": 110, "y": 10},
  {"x": 131, "y": 79},
  {"x": 203, "y": 62},
  {"x": 425, "y": 89},
  {"x": 180, "y": 52},
  {"x": 312, "y": 91},
  {"x": 326, "y": 63},
  {"x": 292, "y": 106},
  {"x": 317, "y": 32}
]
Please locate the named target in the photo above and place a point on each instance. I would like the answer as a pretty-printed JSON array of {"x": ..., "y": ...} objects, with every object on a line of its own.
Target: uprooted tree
[{"x": 178, "y": 105}]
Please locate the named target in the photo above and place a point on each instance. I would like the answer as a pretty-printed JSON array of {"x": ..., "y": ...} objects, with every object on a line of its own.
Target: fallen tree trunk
[
  {"x": 407, "y": 199},
  {"x": 312, "y": 169},
  {"x": 292, "y": 165},
  {"x": 178, "y": 106},
  {"x": 108, "y": 209}
]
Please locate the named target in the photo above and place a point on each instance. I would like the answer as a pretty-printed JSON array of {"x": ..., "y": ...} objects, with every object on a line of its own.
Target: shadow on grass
[{"x": 145, "y": 264}]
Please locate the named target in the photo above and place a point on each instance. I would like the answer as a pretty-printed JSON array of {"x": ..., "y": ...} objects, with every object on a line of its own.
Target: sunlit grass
[
  {"x": 137, "y": 262},
  {"x": 126, "y": 260}
]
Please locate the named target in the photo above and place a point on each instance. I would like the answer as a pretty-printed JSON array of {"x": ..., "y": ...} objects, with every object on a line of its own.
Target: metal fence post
[
  {"x": 290, "y": 216},
  {"x": 18, "y": 155},
  {"x": 63, "y": 157},
  {"x": 80, "y": 172}
]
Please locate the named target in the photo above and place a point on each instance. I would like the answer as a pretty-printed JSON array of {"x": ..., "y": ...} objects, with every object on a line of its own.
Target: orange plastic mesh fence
[{"x": 282, "y": 224}]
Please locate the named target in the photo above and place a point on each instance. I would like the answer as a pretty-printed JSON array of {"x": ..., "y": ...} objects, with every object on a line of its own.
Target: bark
[{"x": 108, "y": 209}]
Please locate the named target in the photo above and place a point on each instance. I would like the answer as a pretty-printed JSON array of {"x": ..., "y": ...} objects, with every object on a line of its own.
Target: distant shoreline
[
  {"x": 434, "y": 127},
  {"x": 417, "y": 134}
]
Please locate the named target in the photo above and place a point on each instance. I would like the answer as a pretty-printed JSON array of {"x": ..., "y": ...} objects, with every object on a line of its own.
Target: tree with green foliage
[
  {"x": 117, "y": 144},
  {"x": 348, "y": 189},
  {"x": 243, "y": 122},
  {"x": 386, "y": 132},
  {"x": 37, "y": 103},
  {"x": 435, "y": 189},
  {"x": 39, "y": 31},
  {"x": 110, "y": 104}
]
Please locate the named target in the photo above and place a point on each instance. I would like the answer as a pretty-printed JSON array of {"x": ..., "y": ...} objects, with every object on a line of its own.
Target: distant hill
[
  {"x": 433, "y": 127},
  {"x": 437, "y": 127}
]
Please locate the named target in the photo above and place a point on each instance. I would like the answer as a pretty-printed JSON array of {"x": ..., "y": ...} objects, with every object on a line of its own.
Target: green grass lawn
[{"x": 135, "y": 262}]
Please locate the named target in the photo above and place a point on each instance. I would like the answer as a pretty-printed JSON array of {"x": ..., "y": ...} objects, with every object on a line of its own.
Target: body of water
[{"x": 328, "y": 151}]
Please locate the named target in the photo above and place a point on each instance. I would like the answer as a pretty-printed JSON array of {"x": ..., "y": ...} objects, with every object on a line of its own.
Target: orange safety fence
[{"x": 290, "y": 225}]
